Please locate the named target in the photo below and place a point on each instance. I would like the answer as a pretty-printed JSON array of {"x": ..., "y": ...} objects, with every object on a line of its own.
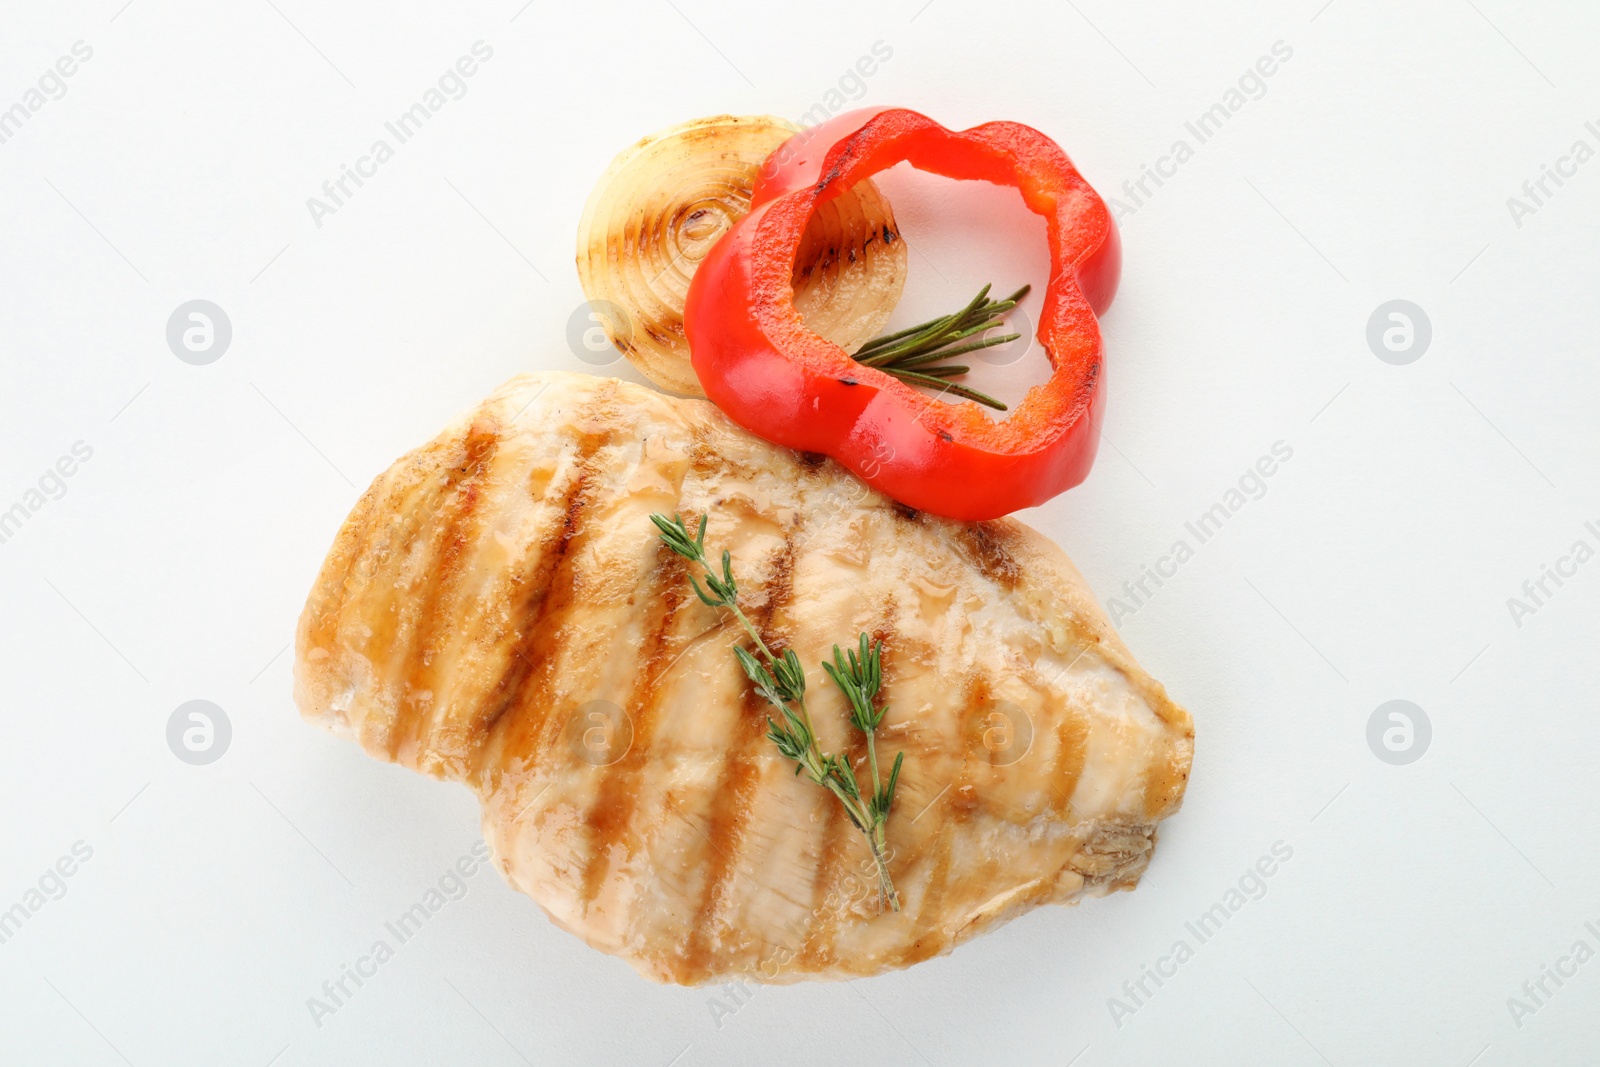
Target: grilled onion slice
[{"x": 663, "y": 203}]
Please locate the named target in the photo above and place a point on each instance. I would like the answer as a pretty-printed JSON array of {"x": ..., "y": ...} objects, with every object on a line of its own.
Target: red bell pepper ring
[{"x": 760, "y": 364}]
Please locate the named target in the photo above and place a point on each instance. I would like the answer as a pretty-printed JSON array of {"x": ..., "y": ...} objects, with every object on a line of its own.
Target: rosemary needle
[{"x": 911, "y": 354}]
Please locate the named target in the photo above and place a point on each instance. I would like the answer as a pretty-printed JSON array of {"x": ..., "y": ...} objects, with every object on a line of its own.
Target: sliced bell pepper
[{"x": 757, "y": 360}]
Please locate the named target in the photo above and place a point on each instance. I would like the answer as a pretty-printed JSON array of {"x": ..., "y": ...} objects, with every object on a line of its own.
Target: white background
[{"x": 1376, "y": 166}]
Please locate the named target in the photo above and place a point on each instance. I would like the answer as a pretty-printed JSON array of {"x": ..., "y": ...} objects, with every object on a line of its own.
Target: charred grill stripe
[
  {"x": 939, "y": 874},
  {"x": 609, "y": 818},
  {"x": 1072, "y": 746},
  {"x": 412, "y": 499},
  {"x": 985, "y": 544},
  {"x": 552, "y": 556},
  {"x": 732, "y": 803},
  {"x": 543, "y": 633},
  {"x": 930, "y": 939},
  {"x": 542, "y": 726},
  {"x": 616, "y": 805},
  {"x": 955, "y": 806},
  {"x": 818, "y": 950},
  {"x": 336, "y": 580},
  {"x": 546, "y": 600},
  {"x": 458, "y": 525},
  {"x": 843, "y": 850},
  {"x": 835, "y": 870}
]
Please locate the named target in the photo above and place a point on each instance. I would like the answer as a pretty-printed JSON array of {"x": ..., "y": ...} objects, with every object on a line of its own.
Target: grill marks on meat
[{"x": 494, "y": 584}]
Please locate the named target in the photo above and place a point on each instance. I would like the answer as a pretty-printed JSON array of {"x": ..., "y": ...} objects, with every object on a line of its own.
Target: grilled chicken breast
[{"x": 498, "y": 610}]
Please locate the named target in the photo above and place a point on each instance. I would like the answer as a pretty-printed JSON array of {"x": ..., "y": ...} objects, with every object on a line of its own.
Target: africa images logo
[
  {"x": 1541, "y": 188},
  {"x": 452, "y": 885},
  {"x": 1252, "y": 885},
  {"x": 452, "y": 85},
  {"x": 1251, "y": 485},
  {"x": 52, "y": 485},
  {"x": 1537, "y": 591},
  {"x": 51, "y": 85},
  {"x": 1251, "y": 85}
]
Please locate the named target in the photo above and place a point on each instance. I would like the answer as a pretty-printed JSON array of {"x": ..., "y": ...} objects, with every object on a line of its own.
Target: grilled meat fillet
[{"x": 498, "y": 610}]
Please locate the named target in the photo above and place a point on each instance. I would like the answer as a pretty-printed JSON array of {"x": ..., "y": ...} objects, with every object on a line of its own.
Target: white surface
[{"x": 1378, "y": 564}]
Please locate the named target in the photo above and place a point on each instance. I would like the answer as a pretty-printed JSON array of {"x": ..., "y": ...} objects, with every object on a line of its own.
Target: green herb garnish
[
  {"x": 781, "y": 681},
  {"x": 910, "y": 354}
]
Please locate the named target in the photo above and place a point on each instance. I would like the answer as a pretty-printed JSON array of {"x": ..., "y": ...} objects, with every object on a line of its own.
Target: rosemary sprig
[
  {"x": 908, "y": 354},
  {"x": 781, "y": 681}
]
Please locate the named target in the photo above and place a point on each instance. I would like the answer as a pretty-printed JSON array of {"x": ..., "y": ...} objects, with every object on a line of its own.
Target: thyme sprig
[
  {"x": 781, "y": 681},
  {"x": 910, "y": 354}
]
